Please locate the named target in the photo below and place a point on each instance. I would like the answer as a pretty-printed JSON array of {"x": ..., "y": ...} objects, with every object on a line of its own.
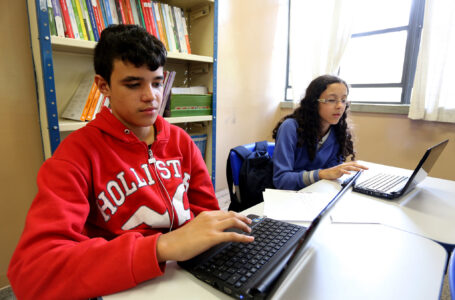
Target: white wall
[{"x": 252, "y": 45}]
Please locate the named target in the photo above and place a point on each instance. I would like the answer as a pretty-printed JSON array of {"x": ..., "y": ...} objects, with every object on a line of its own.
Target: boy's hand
[
  {"x": 202, "y": 233},
  {"x": 340, "y": 170}
]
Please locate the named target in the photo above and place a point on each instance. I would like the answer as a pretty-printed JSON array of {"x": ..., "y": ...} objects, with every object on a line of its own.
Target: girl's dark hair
[
  {"x": 129, "y": 43},
  {"x": 309, "y": 124}
]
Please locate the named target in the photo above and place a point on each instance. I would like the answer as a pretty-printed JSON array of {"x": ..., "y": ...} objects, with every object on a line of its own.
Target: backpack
[{"x": 256, "y": 174}]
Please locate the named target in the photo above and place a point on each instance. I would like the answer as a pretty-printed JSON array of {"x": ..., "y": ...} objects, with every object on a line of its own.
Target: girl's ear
[{"x": 103, "y": 86}]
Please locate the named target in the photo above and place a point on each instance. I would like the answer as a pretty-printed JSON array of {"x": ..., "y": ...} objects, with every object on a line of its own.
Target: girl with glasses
[{"x": 314, "y": 141}]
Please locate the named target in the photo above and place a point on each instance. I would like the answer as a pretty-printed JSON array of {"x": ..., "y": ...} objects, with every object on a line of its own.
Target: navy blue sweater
[{"x": 291, "y": 163}]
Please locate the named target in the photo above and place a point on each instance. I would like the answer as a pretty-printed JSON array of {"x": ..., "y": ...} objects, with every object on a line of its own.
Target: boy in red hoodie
[{"x": 122, "y": 195}]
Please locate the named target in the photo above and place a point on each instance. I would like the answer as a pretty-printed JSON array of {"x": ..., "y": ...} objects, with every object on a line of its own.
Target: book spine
[
  {"x": 150, "y": 14},
  {"x": 113, "y": 11},
  {"x": 181, "y": 35},
  {"x": 80, "y": 19},
  {"x": 134, "y": 11},
  {"x": 108, "y": 11},
  {"x": 103, "y": 13},
  {"x": 167, "y": 25},
  {"x": 173, "y": 28},
  {"x": 163, "y": 37},
  {"x": 93, "y": 105},
  {"x": 185, "y": 31},
  {"x": 87, "y": 22},
  {"x": 50, "y": 13},
  {"x": 98, "y": 18},
  {"x": 88, "y": 101},
  {"x": 121, "y": 11},
  {"x": 152, "y": 10},
  {"x": 148, "y": 26},
  {"x": 140, "y": 14},
  {"x": 66, "y": 18},
  {"x": 74, "y": 25},
  {"x": 58, "y": 18},
  {"x": 92, "y": 19},
  {"x": 129, "y": 12}
]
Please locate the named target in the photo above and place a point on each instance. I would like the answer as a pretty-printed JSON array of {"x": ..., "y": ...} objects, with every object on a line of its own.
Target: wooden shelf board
[
  {"x": 70, "y": 125},
  {"x": 87, "y": 47}
]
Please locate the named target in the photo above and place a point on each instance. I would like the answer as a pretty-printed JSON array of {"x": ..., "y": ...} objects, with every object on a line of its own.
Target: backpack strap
[
  {"x": 262, "y": 146},
  {"x": 242, "y": 152}
]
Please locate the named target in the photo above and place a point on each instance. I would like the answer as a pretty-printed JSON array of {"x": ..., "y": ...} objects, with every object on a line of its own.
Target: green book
[
  {"x": 141, "y": 16},
  {"x": 78, "y": 20},
  {"x": 50, "y": 12},
  {"x": 87, "y": 23}
]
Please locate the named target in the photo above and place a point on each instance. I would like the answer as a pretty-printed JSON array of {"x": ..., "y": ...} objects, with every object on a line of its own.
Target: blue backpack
[{"x": 256, "y": 174}]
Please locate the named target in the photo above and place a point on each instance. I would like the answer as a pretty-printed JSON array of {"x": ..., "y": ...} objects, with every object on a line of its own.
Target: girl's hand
[{"x": 340, "y": 170}]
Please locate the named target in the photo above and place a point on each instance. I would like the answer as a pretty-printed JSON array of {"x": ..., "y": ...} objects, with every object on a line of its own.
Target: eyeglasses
[{"x": 334, "y": 101}]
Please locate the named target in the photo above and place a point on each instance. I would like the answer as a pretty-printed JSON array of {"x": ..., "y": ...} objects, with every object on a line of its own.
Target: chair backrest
[
  {"x": 451, "y": 271},
  {"x": 236, "y": 160}
]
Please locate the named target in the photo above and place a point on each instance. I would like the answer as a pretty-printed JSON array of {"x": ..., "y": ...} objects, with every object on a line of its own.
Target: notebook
[
  {"x": 250, "y": 270},
  {"x": 392, "y": 186}
]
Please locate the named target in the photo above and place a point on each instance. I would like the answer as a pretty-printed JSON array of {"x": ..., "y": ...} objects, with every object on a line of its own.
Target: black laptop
[
  {"x": 392, "y": 186},
  {"x": 250, "y": 270}
]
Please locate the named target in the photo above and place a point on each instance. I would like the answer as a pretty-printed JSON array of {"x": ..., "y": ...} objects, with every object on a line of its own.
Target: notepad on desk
[{"x": 295, "y": 206}]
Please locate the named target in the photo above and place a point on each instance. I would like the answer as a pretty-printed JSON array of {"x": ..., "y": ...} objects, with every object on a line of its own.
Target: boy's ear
[{"x": 103, "y": 86}]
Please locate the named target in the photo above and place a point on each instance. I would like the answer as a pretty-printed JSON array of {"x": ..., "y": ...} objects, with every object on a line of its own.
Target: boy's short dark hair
[{"x": 130, "y": 43}]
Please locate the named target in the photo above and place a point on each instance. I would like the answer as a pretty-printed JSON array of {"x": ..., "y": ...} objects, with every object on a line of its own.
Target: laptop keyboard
[
  {"x": 382, "y": 182},
  {"x": 236, "y": 263}
]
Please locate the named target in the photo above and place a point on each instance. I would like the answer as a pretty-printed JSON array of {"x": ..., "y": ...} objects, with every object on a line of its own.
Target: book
[
  {"x": 76, "y": 104},
  {"x": 140, "y": 14},
  {"x": 180, "y": 33},
  {"x": 93, "y": 104},
  {"x": 192, "y": 90},
  {"x": 67, "y": 21},
  {"x": 58, "y": 18},
  {"x": 168, "y": 81},
  {"x": 160, "y": 25},
  {"x": 147, "y": 20},
  {"x": 79, "y": 19},
  {"x": 86, "y": 19},
  {"x": 134, "y": 11},
  {"x": 50, "y": 14},
  {"x": 103, "y": 12},
  {"x": 129, "y": 12},
  {"x": 74, "y": 25},
  {"x": 89, "y": 101},
  {"x": 155, "y": 25},
  {"x": 168, "y": 28},
  {"x": 98, "y": 17},
  {"x": 173, "y": 28},
  {"x": 113, "y": 9},
  {"x": 185, "y": 31},
  {"x": 120, "y": 12},
  {"x": 148, "y": 7},
  {"x": 91, "y": 15}
]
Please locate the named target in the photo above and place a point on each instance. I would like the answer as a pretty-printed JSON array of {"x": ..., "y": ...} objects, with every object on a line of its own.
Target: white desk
[
  {"x": 344, "y": 261},
  {"x": 428, "y": 210}
]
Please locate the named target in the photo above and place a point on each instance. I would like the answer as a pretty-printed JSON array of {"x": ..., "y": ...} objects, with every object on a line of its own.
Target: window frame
[{"x": 414, "y": 31}]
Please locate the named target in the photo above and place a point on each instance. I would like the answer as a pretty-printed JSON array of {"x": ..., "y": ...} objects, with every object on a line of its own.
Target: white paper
[{"x": 293, "y": 206}]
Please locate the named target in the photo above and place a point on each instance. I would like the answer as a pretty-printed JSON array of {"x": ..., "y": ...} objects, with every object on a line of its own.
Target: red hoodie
[{"x": 103, "y": 200}]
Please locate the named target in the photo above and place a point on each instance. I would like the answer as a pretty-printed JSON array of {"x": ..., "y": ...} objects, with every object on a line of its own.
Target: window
[{"x": 380, "y": 59}]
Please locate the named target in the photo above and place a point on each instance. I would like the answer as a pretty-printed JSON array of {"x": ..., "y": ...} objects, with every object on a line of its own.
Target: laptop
[
  {"x": 392, "y": 186},
  {"x": 250, "y": 270}
]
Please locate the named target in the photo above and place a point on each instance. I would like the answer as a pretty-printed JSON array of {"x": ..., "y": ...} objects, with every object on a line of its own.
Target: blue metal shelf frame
[
  {"x": 47, "y": 66},
  {"x": 215, "y": 69}
]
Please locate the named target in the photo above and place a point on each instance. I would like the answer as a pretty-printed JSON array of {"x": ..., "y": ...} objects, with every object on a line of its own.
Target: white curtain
[
  {"x": 320, "y": 31},
  {"x": 433, "y": 95}
]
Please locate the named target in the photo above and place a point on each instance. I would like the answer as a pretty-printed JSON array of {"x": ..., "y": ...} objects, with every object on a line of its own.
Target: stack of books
[{"x": 86, "y": 19}]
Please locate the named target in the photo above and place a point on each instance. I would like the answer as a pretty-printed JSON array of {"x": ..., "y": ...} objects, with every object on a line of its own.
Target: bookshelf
[{"x": 60, "y": 63}]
